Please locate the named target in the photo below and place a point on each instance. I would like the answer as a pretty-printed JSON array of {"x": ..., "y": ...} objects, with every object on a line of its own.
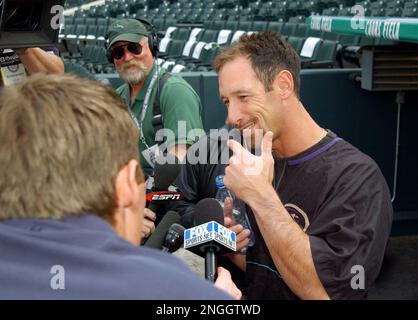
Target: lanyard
[{"x": 144, "y": 109}]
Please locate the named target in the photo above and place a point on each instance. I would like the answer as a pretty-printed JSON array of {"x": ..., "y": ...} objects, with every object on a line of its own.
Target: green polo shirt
[{"x": 178, "y": 102}]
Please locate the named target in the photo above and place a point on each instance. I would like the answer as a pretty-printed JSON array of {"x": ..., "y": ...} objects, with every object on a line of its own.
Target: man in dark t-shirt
[
  {"x": 338, "y": 197},
  {"x": 320, "y": 209}
]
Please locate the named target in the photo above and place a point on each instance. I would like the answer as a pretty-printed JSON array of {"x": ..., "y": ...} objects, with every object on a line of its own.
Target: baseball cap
[{"x": 126, "y": 30}]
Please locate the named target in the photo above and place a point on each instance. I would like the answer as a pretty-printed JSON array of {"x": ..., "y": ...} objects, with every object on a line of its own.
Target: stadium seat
[
  {"x": 221, "y": 22},
  {"x": 207, "y": 24},
  {"x": 158, "y": 24},
  {"x": 182, "y": 34},
  {"x": 209, "y": 36},
  {"x": 245, "y": 25},
  {"x": 301, "y": 30},
  {"x": 231, "y": 25},
  {"x": 289, "y": 29},
  {"x": 196, "y": 34},
  {"x": 296, "y": 43},
  {"x": 218, "y": 25},
  {"x": 259, "y": 26},
  {"x": 164, "y": 47},
  {"x": 237, "y": 34},
  {"x": 275, "y": 26},
  {"x": 325, "y": 58},
  {"x": 310, "y": 48},
  {"x": 224, "y": 37}
]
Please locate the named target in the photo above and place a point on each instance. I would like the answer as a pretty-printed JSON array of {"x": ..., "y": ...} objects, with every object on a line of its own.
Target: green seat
[
  {"x": 259, "y": 26},
  {"x": 301, "y": 30},
  {"x": 209, "y": 36},
  {"x": 182, "y": 34},
  {"x": 315, "y": 33},
  {"x": 245, "y": 25},
  {"x": 231, "y": 25},
  {"x": 289, "y": 29},
  {"x": 90, "y": 21},
  {"x": 331, "y": 36},
  {"x": 176, "y": 48},
  {"x": 218, "y": 24},
  {"x": 275, "y": 26},
  {"x": 72, "y": 67},
  {"x": 326, "y": 55},
  {"x": 158, "y": 24},
  {"x": 170, "y": 23},
  {"x": 79, "y": 20},
  {"x": 207, "y": 24},
  {"x": 296, "y": 43},
  {"x": 102, "y": 21}
]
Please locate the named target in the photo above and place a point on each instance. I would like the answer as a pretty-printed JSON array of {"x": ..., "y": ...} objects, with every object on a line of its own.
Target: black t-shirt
[{"x": 339, "y": 197}]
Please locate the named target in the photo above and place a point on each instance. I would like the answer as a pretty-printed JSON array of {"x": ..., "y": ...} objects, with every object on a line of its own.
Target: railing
[{"x": 398, "y": 29}]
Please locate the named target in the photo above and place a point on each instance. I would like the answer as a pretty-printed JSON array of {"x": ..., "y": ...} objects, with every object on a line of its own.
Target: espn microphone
[
  {"x": 209, "y": 235},
  {"x": 157, "y": 238},
  {"x": 167, "y": 168},
  {"x": 174, "y": 238}
]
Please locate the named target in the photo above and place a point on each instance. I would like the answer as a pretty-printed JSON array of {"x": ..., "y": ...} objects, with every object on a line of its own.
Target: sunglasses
[{"x": 118, "y": 52}]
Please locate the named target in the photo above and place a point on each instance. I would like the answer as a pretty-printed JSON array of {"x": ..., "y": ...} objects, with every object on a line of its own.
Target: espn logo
[{"x": 161, "y": 196}]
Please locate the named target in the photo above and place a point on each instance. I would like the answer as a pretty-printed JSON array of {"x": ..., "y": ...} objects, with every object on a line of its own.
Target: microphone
[
  {"x": 174, "y": 238},
  {"x": 167, "y": 168},
  {"x": 157, "y": 238},
  {"x": 209, "y": 235}
]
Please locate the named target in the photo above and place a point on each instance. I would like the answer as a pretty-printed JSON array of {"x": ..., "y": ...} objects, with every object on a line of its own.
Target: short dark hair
[{"x": 268, "y": 54}]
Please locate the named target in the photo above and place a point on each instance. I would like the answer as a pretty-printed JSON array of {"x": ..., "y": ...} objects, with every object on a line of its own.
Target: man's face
[
  {"x": 135, "y": 225},
  {"x": 133, "y": 68},
  {"x": 250, "y": 107}
]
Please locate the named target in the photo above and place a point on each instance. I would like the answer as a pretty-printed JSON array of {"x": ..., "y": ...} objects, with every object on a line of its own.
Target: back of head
[
  {"x": 268, "y": 54},
  {"x": 63, "y": 140}
]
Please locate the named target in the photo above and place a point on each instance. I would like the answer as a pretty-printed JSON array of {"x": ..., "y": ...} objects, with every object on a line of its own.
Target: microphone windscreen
[
  {"x": 166, "y": 170},
  {"x": 208, "y": 209},
  {"x": 177, "y": 228},
  {"x": 156, "y": 239},
  {"x": 174, "y": 238}
]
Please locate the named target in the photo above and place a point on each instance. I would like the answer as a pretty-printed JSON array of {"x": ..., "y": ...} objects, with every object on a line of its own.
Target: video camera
[{"x": 30, "y": 23}]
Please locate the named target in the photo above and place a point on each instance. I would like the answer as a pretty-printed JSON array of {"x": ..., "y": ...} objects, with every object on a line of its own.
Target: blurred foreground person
[{"x": 72, "y": 200}]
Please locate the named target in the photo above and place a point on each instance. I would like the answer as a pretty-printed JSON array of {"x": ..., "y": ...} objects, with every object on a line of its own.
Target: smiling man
[{"x": 318, "y": 206}]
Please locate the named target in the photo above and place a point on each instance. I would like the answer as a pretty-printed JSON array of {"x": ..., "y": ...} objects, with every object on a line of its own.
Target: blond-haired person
[{"x": 72, "y": 200}]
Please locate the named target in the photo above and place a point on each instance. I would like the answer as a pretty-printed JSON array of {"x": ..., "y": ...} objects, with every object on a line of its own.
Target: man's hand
[
  {"x": 242, "y": 235},
  {"x": 37, "y": 60},
  {"x": 148, "y": 225},
  {"x": 248, "y": 174},
  {"x": 225, "y": 283}
]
